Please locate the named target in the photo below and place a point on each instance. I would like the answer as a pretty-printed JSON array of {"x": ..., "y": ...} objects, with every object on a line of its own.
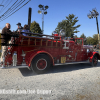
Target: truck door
[{"x": 68, "y": 53}]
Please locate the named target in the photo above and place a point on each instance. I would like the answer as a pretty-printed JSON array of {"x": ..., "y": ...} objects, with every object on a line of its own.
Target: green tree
[
  {"x": 84, "y": 38},
  {"x": 61, "y": 25},
  {"x": 95, "y": 39},
  {"x": 92, "y": 41},
  {"x": 89, "y": 41},
  {"x": 68, "y": 25},
  {"x": 35, "y": 28}
]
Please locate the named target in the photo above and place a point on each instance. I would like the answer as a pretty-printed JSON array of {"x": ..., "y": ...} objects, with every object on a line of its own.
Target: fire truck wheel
[
  {"x": 41, "y": 63},
  {"x": 94, "y": 60}
]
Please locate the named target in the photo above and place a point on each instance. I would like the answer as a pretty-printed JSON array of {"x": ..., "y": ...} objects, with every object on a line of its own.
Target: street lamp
[
  {"x": 43, "y": 11},
  {"x": 94, "y": 14}
]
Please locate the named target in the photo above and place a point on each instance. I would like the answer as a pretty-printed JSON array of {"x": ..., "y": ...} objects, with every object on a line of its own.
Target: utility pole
[{"x": 29, "y": 17}]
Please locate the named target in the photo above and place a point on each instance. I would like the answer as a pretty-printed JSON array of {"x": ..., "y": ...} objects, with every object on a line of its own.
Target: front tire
[
  {"x": 94, "y": 60},
  {"x": 41, "y": 63}
]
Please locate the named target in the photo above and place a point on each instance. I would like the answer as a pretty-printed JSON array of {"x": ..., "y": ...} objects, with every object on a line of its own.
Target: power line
[
  {"x": 7, "y": 13},
  {"x": 12, "y": 9},
  {"x": 17, "y": 6},
  {"x": 9, "y": 8},
  {"x": 4, "y": 6},
  {"x": 2, "y": 2},
  {"x": 16, "y": 10}
]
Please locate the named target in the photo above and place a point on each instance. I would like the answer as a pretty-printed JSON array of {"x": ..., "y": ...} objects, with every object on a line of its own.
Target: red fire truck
[{"x": 40, "y": 52}]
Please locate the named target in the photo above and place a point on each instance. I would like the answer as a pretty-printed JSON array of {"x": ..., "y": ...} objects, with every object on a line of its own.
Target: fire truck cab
[{"x": 40, "y": 52}]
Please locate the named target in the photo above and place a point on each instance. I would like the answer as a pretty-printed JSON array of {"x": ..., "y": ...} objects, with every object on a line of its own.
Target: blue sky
[{"x": 57, "y": 11}]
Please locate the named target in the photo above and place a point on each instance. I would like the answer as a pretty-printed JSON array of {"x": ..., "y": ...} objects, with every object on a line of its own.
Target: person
[
  {"x": 6, "y": 38},
  {"x": 19, "y": 29},
  {"x": 25, "y": 29}
]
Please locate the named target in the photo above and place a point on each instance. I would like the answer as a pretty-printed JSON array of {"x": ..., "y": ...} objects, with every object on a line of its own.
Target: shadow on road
[{"x": 57, "y": 69}]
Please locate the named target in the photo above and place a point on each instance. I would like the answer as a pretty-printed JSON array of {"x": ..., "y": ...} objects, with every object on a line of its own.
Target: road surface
[{"x": 68, "y": 82}]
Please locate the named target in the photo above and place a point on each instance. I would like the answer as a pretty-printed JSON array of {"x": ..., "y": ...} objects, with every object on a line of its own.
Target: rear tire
[
  {"x": 41, "y": 63},
  {"x": 94, "y": 60}
]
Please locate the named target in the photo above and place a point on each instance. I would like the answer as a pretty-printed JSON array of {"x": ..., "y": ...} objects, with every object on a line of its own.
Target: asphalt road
[{"x": 68, "y": 82}]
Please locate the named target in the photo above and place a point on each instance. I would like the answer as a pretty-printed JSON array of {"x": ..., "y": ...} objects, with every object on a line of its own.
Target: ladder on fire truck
[{"x": 47, "y": 41}]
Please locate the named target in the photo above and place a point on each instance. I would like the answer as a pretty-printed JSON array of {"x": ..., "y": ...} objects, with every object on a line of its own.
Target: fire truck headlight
[{"x": 88, "y": 50}]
